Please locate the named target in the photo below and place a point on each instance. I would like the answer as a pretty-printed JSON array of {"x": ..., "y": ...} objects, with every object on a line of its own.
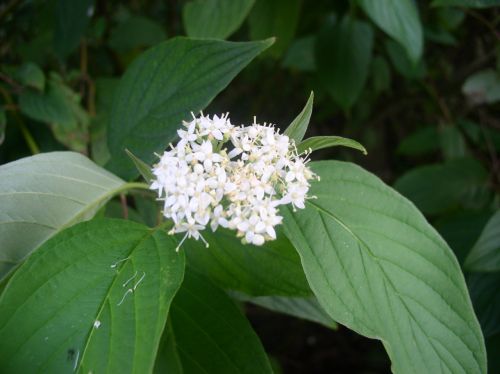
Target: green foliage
[
  {"x": 215, "y": 18},
  {"x": 467, "y": 3},
  {"x": 71, "y": 21},
  {"x": 77, "y": 313},
  {"x": 210, "y": 334},
  {"x": 141, "y": 166},
  {"x": 379, "y": 268},
  {"x": 442, "y": 187},
  {"x": 60, "y": 108},
  {"x": 274, "y": 18},
  {"x": 202, "y": 69},
  {"x": 485, "y": 295},
  {"x": 482, "y": 87},
  {"x": 109, "y": 294},
  {"x": 344, "y": 52},
  {"x": 320, "y": 142},
  {"x": 485, "y": 255},
  {"x": 272, "y": 269},
  {"x": 306, "y": 308},
  {"x": 41, "y": 195},
  {"x": 297, "y": 129},
  {"x": 300, "y": 55},
  {"x": 30, "y": 74},
  {"x": 136, "y": 32},
  {"x": 398, "y": 18}
]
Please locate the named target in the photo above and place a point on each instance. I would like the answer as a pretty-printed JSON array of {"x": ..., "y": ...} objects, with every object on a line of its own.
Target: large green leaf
[
  {"x": 69, "y": 308},
  {"x": 379, "y": 268},
  {"x": 440, "y": 187},
  {"x": 214, "y": 18},
  {"x": 277, "y": 18},
  {"x": 163, "y": 86},
  {"x": 343, "y": 55},
  {"x": 42, "y": 194},
  {"x": 467, "y": 3},
  {"x": 72, "y": 18},
  {"x": 398, "y": 18},
  {"x": 210, "y": 333},
  {"x": 271, "y": 269},
  {"x": 485, "y": 255}
]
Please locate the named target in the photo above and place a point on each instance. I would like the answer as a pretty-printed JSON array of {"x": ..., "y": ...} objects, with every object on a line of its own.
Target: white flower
[{"x": 235, "y": 177}]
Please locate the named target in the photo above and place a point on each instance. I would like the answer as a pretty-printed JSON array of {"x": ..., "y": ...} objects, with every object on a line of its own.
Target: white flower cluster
[{"x": 230, "y": 176}]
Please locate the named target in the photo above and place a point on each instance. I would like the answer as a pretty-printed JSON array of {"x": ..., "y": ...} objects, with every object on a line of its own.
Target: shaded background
[{"x": 430, "y": 121}]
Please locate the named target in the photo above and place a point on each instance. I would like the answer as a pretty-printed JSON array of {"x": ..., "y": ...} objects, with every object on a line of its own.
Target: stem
[
  {"x": 123, "y": 201},
  {"x": 485, "y": 22},
  {"x": 28, "y": 137},
  {"x": 30, "y": 141},
  {"x": 133, "y": 185}
]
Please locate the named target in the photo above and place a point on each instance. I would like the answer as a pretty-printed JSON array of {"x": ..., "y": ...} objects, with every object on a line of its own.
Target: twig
[
  {"x": 8, "y": 7},
  {"x": 431, "y": 90},
  {"x": 16, "y": 86},
  {"x": 123, "y": 201},
  {"x": 484, "y": 21},
  {"x": 30, "y": 141}
]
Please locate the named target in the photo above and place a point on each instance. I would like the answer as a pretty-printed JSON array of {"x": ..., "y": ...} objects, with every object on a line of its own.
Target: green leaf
[
  {"x": 461, "y": 230},
  {"x": 271, "y": 269},
  {"x": 399, "y": 19},
  {"x": 43, "y": 194},
  {"x": 481, "y": 136},
  {"x": 167, "y": 358},
  {"x": 423, "y": 141},
  {"x": 402, "y": 62},
  {"x": 114, "y": 209},
  {"x": 377, "y": 267},
  {"x": 452, "y": 143},
  {"x": 77, "y": 314},
  {"x": 485, "y": 294},
  {"x": 381, "y": 75},
  {"x": 343, "y": 55},
  {"x": 485, "y": 255},
  {"x": 306, "y": 308},
  {"x": 136, "y": 32},
  {"x": 300, "y": 55},
  {"x": 141, "y": 166},
  {"x": 467, "y": 3},
  {"x": 297, "y": 129},
  {"x": 441, "y": 187},
  {"x": 30, "y": 74},
  {"x": 214, "y": 18},
  {"x": 319, "y": 142},
  {"x": 275, "y": 18},
  {"x": 482, "y": 87},
  {"x": 71, "y": 21},
  {"x": 211, "y": 335},
  {"x": 163, "y": 86},
  {"x": 59, "y": 107}
]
